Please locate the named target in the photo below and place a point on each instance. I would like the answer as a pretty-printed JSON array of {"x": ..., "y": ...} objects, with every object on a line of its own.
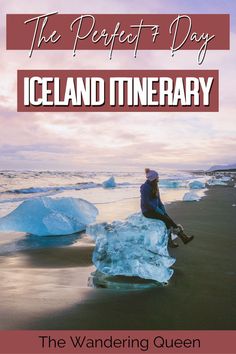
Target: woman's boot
[
  {"x": 171, "y": 243},
  {"x": 185, "y": 238},
  {"x": 179, "y": 231}
]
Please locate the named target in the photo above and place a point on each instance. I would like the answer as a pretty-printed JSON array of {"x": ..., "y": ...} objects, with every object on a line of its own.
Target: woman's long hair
[{"x": 155, "y": 190}]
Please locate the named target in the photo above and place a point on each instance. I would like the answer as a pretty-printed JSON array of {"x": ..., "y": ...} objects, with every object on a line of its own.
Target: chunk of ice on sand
[
  {"x": 217, "y": 182},
  {"x": 46, "y": 216},
  {"x": 197, "y": 185},
  {"x": 136, "y": 246},
  {"x": 191, "y": 197}
]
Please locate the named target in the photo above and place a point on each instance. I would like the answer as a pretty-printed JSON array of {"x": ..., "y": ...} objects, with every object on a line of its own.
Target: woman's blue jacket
[{"x": 150, "y": 202}]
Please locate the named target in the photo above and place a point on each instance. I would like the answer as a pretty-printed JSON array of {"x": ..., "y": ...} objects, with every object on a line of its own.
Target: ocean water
[{"x": 112, "y": 203}]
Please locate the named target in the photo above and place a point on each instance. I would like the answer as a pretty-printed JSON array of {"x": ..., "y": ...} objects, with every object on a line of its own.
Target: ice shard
[
  {"x": 136, "y": 246},
  {"x": 46, "y": 216}
]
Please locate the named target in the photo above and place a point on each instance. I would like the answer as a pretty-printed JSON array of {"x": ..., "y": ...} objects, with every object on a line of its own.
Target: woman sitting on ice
[{"x": 152, "y": 207}]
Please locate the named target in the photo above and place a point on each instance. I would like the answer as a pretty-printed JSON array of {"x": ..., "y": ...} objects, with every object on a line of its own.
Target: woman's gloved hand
[{"x": 160, "y": 211}]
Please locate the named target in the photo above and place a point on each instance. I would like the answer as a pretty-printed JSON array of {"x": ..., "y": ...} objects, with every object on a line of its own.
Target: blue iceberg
[
  {"x": 110, "y": 183},
  {"x": 136, "y": 246},
  {"x": 218, "y": 181},
  {"x": 46, "y": 216},
  {"x": 197, "y": 185}
]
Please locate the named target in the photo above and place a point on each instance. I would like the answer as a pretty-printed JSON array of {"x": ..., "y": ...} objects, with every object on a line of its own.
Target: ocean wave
[
  {"x": 79, "y": 186},
  {"x": 33, "y": 190},
  {"x": 127, "y": 184},
  {"x": 88, "y": 185}
]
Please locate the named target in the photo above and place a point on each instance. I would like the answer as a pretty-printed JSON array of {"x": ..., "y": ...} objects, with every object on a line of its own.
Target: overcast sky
[{"x": 120, "y": 141}]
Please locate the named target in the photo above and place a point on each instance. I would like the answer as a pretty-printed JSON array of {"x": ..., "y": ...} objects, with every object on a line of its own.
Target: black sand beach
[{"x": 47, "y": 288}]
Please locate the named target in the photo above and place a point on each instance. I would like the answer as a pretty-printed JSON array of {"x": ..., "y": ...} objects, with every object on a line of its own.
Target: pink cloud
[{"x": 118, "y": 140}]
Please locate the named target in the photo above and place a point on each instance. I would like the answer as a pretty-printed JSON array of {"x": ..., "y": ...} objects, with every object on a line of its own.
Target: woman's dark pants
[{"x": 165, "y": 218}]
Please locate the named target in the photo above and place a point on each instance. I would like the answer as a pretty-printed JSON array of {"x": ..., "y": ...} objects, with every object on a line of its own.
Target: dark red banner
[
  {"x": 125, "y": 342},
  {"x": 118, "y": 31},
  {"x": 118, "y": 90}
]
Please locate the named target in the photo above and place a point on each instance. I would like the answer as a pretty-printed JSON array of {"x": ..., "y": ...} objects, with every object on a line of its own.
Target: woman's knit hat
[{"x": 151, "y": 175}]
